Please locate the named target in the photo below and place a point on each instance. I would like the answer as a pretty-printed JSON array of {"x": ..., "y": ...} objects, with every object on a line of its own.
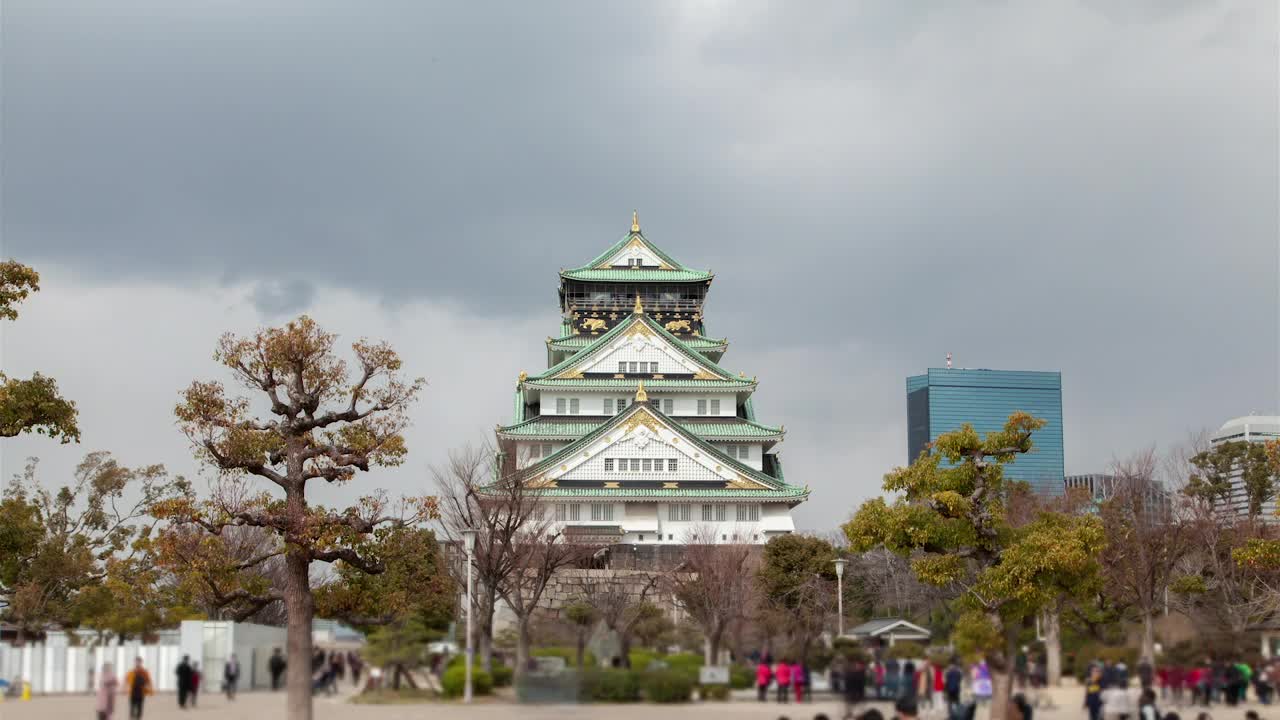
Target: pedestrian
[
  {"x": 276, "y": 665},
  {"x": 800, "y": 680},
  {"x": 855, "y": 687},
  {"x": 183, "y": 671},
  {"x": 782, "y": 676},
  {"x": 1115, "y": 703},
  {"x": 1177, "y": 681},
  {"x": 937, "y": 684},
  {"x": 231, "y": 676},
  {"x": 905, "y": 709},
  {"x": 908, "y": 685},
  {"x": 892, "y": 670},
  {"x": 1147, "y": 705},
  {"x": 764, "y": 676},
  {"x": 1146, "y": 674},
  {"x": 356, "y": 666},
  {"x": 196, "y": 676},
  {"x": 108, "y": 683},
  {"x": 952, "y": 682},
  {"x": 1093, "y": 693},
  {"x": 1019, "y": 708},
  {"x": 981, "y": 684},
  {"x": 137, "y": 682}
]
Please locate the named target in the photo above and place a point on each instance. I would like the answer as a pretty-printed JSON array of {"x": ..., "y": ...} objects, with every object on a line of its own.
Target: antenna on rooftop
[{"x": 948, "y": 361}]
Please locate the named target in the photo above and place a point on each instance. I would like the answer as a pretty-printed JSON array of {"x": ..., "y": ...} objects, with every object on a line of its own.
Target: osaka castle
[{"x": 635, "y": 434}]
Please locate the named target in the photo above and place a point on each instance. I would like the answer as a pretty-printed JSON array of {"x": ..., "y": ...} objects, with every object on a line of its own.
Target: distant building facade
[
  {"x": 1250, "y": 428},
  {"x": 1157, "y": 501},
  {"x": 943, "y": 399}
]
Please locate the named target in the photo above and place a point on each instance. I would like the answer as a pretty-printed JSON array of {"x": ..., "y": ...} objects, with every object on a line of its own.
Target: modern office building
[
  {"x": 943, "y": 399},
  {"x": 1250, "y": 428}
]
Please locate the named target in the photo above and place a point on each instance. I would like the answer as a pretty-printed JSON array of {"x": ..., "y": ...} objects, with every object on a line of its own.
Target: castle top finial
[
  {"x": 635, "y": 221},
  {"x": 641, "y": 395},
  {"x": 638, "y": 309}
]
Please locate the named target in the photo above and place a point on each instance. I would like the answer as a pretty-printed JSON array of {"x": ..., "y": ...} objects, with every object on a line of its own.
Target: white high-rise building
[{"x": 1250, "y": 428}]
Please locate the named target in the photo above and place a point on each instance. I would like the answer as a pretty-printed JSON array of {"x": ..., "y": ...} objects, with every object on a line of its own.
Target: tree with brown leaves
[
  {"x": 321, "y": 423},
  {"x": 30, "y": 405}
]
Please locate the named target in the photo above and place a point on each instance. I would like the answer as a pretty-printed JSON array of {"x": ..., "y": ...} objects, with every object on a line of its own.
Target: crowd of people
[
  {"x": 328, "y": 669},
  {"x": 1213, "y": 681}
]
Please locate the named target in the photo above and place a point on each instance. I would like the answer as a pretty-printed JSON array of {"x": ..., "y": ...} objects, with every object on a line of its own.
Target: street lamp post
[
  {"x": 840, "y": 596},
  {"x": 469, "y": 540}
]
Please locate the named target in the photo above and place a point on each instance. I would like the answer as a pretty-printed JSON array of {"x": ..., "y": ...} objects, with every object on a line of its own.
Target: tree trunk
[
  {"x": 624, "y": 648},
  {"x": 582, "y": 647},
  {"x": 1053, "y": 647},
  {"x": 523, "y": 645},
  {"x": 1001, "y": 691},
  {"x": 713, "y": 647},
  {"x": 300, "y": 608},
  {"x": 485, "y": 645},
  {"x": 1148, "y": 639}
]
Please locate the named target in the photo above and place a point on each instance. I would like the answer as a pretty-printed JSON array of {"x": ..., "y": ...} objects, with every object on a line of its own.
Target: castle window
[
  {"x": 608, "y": 464},
  {"x": 671, "y": 465},
  {"x": 601, "y": 511},
  {"x": 654, "y": 404},
  {"x": 707, "y": 513},
  {"x": 634, "y": 367},
  {"x": 622, "y": 366},
  {"x": 608, "y": 406},
  {"x": 722, "y": 512},
  {"x": 748, "y": 513},
  {"x": 679, "y": 512},
  {"x": 560, "y": 405},
  {"x": 702, "y": 406},
  {"x": 573, "y": 406},
  {"x": 635, "y": 464},
  {"x": 715, "y": 406},
  {"x": 646, "y": 464},
  {"x": 653, "y": 367},
  {"x": 668, "y": 406},
  {"x": 622, "y": 404}
]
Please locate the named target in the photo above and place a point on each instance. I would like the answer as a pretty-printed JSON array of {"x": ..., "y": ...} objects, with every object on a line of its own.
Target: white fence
[{"x": 67, "y": 669}]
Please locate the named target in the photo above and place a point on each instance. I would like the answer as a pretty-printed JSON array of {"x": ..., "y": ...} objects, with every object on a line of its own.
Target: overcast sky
[{"x": 1088, "y": 187}]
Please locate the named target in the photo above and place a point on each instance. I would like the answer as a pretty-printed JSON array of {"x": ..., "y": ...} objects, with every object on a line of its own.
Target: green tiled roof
[
  {"x": 551, "y": 428},
  {"x": 630, "y": 384},
  {"x": 787, "y": 492},
  {"x": 603, "y": 340},
  {"x": 636, "y": 275},
  {"x": 578, "y": 342},
  {"x": 678, "y": 273}
]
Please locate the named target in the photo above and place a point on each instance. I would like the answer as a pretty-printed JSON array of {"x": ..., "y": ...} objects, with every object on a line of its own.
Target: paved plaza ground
[{"x": 263, "y": 706}]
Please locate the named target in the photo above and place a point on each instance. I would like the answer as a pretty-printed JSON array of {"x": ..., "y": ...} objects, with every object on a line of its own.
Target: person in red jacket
[
  {"x": 764, "y": 676},
  {"x": 782, "y": 674}
]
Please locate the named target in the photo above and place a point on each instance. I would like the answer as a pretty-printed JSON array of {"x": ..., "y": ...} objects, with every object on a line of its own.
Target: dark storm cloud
[{"x": 1088, "y": 187}]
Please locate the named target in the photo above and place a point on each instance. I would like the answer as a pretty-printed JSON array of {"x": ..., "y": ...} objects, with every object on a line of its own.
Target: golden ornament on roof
[
  {"x": 638, "y": 309},
  {"x": 523, "y": 376},
  {"x": 635, "y": 221},
  {"x": 641, "y": 395}
]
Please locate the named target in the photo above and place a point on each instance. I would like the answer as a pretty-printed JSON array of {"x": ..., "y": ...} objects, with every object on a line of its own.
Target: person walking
[
  {"x": 231, "y": 676},
  {"x": 908, "y": 685},
  {"x": 763, "y": 677},
  {"x": 196, "y": 676},
  {"x": 183, "y": 671},
  {"x": 276, "y": 666},
  {"x": 800, "y": 680},
  {"x": 356, "y": 666},
  {"x": 855, "y": 687},
  {"x": 953, "y": 680},
  {"x": 1147, "y": 705},
  {"x": 782, "y": 676},
  {"x": 137, "y": 682},
  {"x": 108, "y": 684},
  {"x": 982, "y": 687},
  {"x": 1093, "y": 693}
]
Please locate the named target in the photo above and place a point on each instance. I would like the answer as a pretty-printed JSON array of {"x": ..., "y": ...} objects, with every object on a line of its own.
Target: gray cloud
[{"x": 1087, "y": 187}]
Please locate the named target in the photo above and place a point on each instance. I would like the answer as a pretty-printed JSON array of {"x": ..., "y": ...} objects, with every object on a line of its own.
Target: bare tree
[
  {"x": 713, "y": 584},
  {"x": 620, "y": 607},
  {"x": 518, "y": 545},
  {"x": 1146, "y": 542},
  {"x": 466, "y": 505}
]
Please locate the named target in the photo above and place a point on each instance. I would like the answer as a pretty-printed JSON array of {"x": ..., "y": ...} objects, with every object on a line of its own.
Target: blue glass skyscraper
[{"x": 943, "y": 399}]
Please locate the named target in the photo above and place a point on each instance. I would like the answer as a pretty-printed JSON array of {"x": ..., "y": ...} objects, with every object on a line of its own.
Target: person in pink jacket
[
  {"x": 783, "y": 675},
  {"x": 763, "y": 677},
  {"x": 798, "y": 680},
  {"x": 107, "y": 686}
]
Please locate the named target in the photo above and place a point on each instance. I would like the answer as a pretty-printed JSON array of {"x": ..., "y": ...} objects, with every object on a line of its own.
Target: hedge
[
  {"x": 666, "y": 686},
  {"x": 455, "y": 680},
  {"x": 569, "y": 654}
]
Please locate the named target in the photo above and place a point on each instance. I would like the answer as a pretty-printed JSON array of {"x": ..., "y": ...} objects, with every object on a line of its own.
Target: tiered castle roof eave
[
  {"x": 541, "y": 474},
  {"x": 555, "y": 428},
  {"x": 670, "y": 270}
]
